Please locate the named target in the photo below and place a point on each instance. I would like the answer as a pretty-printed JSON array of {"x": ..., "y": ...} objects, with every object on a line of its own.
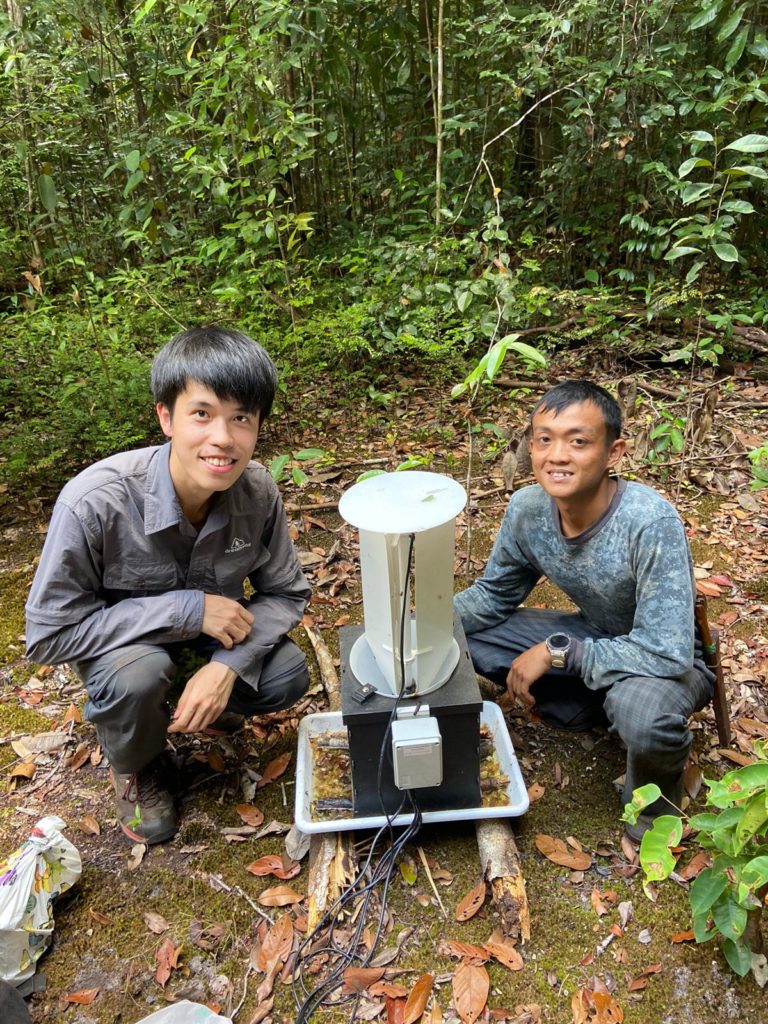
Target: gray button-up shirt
[{"x": 122, "y": 564}]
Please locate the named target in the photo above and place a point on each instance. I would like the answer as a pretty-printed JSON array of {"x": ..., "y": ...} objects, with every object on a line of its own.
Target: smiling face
[
  {"x": 572, "y": 457},
  {"x": 212, "y": 441}
]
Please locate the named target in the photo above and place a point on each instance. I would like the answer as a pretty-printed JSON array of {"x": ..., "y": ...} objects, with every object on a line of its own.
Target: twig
[
  {"x": 217, "y": 882},
  {"x": 431, "y": 880},
  {"x": 239, "y": 1006}
]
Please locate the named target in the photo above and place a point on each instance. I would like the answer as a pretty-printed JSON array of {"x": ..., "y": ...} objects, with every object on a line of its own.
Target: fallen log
[
  {"x": 328, "y": 674},
  {"x": 500, "y": 862}
]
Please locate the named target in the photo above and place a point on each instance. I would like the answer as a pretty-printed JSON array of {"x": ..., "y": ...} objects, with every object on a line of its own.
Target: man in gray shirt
[
  {"x": 152, "y": 552},
  {"x": 618, "y": 550}
]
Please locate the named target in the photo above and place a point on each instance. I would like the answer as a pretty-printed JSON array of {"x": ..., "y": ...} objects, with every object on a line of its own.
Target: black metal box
[{"x": 456, "y": 705}]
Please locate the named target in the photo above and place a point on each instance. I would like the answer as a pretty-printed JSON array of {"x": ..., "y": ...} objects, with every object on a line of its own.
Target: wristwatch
[{"x": 558, "y": 645}]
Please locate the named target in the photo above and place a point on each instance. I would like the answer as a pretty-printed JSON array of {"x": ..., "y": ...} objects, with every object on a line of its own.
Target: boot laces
[{"x": 143, "y": 788}]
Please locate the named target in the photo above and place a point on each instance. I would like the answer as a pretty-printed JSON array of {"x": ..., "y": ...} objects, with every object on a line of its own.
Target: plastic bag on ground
[
  {"x": 44, "y": 866},
  {"x": 184, "y": 1012}
]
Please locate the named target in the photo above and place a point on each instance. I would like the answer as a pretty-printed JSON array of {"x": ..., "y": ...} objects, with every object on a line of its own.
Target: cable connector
[{"x": 362, "y": 693}]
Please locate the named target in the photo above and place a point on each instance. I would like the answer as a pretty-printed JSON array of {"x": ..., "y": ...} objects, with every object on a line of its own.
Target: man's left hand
[
  {"x": 526, "y": 669},
  {"x": 204, "y": 698}
]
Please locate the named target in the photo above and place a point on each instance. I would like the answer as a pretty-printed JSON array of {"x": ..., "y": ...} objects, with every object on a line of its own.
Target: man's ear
[
  {"x": 164, "y": 416},
  {"x": 616, "y": 452}
]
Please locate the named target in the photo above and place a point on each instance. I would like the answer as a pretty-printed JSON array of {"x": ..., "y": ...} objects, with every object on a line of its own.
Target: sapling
[{"x": 728, "y": 897}]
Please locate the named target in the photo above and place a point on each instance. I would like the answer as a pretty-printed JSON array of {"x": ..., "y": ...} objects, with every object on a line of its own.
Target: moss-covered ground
[{"x": 101, "y": 938}]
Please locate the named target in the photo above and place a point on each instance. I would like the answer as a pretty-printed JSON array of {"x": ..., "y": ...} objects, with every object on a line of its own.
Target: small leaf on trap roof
[
  {"x": 417, "y": 999},
  {"x": 155, "y": 922},
  {"x": 471, "y": 903},
  {"x": 274, "y": 769},
  {"x": 250, "y": 814},
  {"x": 470, "y": 991},
  {"x": 279, "y": 896}
]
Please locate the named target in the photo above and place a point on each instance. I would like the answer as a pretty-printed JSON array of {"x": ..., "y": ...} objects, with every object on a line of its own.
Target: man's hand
[
  {"x": 225, "y": 620},
  {"x": 204, "y": 698},
  {"x": 525, "y": 670}
]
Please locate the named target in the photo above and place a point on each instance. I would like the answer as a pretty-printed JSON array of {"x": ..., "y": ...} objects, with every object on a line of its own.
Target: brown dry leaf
[
  {"x": 708, "y": 588},
  {"x": 250, "y": 814},
  {"x": 274, "y": 769},
  {"x": 167, "y": 957},
  {"x": 80, "y": 756},
  {"x": 735, "y": 756},
  {"x": 471, "y": 903},
  {"x": 25, "y": 770},
  {"x": 271, "y": 864},
  {"x": 72, "y": 715},
  {"x": 395, "y": 1009},
  {"x": 277, "y": 944},
  {"x": 683, "y": 936},
  {"x": 215, "y": 761},
  {"x": 597, "y": 902},
  {"x": 98, "y": 916},
  {"x": 535, "y": 792},
  {"x": 637, "y": 984},
  {"x": 136, "y": 856},
  {"x": 695, "y": 865},
  {"x": 556, "y": 851},
  {"x": 357, "y": 979},
  {"x": 595, "y": 1008},
  {"x": 462, "y": 950},
  {"x": 388, "y": 988},
  {"x": 155, "y": 922},
  {"x": 470, "y": 991},
  {"x": 417, "y": 999},
  {"x": 83, "y": 997},
  {"x": 433, "y": 1016},
  {"x": 279, "y": 896},
  {"x": 692, "y": 779},
  {"x": 628, "y": 849},
  {"x": 90, "y": 826},
  {"x": 506, "y": 954}
]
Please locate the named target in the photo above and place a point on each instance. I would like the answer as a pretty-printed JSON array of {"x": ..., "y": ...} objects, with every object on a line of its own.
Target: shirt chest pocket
[
  {"x": 233, "y": 568},
  {"x": 138, "y": 579}
]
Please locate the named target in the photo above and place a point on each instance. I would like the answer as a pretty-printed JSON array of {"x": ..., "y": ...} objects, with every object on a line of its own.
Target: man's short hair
[
  {"x": 574, "y": 392},
  {"x": 235, "y": 367}
]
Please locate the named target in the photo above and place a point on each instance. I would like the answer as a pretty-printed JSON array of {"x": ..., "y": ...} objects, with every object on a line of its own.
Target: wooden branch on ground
[
  {"x": 500, "y": 861},
  {"x": 329, "y": 677}
]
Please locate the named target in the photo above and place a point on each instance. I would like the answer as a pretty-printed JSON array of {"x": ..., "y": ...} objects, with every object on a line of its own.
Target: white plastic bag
[
  {"x": 44, "y": 866},
  {"x": 185, "y": 1012}
]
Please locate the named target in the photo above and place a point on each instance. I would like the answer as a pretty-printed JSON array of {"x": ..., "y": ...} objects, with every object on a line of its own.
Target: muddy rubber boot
[{"x": 146, "y": 810}]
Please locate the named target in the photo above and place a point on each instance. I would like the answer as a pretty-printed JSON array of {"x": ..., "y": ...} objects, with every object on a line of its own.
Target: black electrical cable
[{"x": 382, "y": 872}]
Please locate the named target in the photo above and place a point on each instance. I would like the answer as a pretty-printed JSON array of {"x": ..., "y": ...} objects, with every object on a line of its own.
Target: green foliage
[
  {"x": 758, "y": 458},
  {"x": 668, "y": 435},
  {"x": 724, "y": 894},
  {"x": 281, "y": 463},
  {"x": 490, "y": 364}
]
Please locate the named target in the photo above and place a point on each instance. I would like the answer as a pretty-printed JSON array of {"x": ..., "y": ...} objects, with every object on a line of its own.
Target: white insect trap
[{"x": 406, "y": 523}]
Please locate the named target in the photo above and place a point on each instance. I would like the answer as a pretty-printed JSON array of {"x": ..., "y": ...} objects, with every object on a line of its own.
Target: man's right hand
[{"x": 225, "y": 620}]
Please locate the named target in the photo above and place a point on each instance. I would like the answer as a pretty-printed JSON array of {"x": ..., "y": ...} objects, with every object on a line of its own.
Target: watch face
[{"x": 560, "y": 641}]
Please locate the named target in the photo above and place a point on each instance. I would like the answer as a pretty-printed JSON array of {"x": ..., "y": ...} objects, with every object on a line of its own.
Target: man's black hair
[
  {"x": 235, "y": 367},
  {"x": 574, "y": 392}
]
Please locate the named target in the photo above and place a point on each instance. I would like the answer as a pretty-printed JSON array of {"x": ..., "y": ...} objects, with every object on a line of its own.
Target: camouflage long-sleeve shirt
[{"x": 630, "y": 575}]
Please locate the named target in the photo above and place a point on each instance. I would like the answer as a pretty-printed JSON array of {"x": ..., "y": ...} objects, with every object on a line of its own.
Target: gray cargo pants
[
  {"x": 649, "y": 715},
  {"x": 128, "y": 694}
]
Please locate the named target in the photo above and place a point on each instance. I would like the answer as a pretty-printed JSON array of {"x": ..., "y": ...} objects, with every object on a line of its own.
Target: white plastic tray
[{"x": 331, "y": 721}]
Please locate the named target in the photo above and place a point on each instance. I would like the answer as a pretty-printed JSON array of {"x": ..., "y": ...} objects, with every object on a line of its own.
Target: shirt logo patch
[{"x": 238, "y": 544}]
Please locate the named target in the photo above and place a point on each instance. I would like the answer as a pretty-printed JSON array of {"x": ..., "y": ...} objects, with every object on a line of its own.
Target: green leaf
[
  {"x": 459, "y": 389},
  {"x": 528, "y": 353},
  {"x": 687, "y": 166},
  {"x": 694, "y": 272},
  {"x": 133, "y": 160},
  {"x": 408, "y": 871},
  {"x": 592, "y": 276},
  {"x": 277, "y": 466},
  {"x": 702, "y": 931},
  {"x": 750, "y": 144},
  {"x": 701, "y": 137},
  {"x": 708, "y": 887},
  {"x": 738, "y": 955},
  {"x": 737, "y": 48},
  {"x": 656, "y": 859},
  {"x": 47, "y": 191},
  {"x": 495, "y": 359},
  {"x": 463, "y": 300},
  {"x": 370, "y": 473},
  {"x": 308, "y": 453},
  {"x": 691, "y": 193},
  {"x": 726, "y": 252},
  {"x": 738, "y": 206},
  {"x": 680, "y": 250},
  {"x": 729, "y": 917},
  {"x": 754, "y": 817},
  {"x": 730, "y": 25},
  {"x": 413, "y": 463},
  {"x": 755, "y": 872},
  {"x": 705, "y": 17},
  {"x": 133, "y": 182},
  {"x": 299, "y": 476},
  {"x": 676, "y": 437},
  {"x": 143, "y": 11},
  {"x": 751, "y": 170}
]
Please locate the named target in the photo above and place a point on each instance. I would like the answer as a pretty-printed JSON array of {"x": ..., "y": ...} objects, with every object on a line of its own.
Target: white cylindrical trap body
[{"x": 387, "y": 509}]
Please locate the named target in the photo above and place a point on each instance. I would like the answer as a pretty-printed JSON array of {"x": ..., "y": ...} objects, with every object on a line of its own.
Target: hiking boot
[
  {"x": 227, "y": 724},
  {"x": 145, "y": 809}
]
